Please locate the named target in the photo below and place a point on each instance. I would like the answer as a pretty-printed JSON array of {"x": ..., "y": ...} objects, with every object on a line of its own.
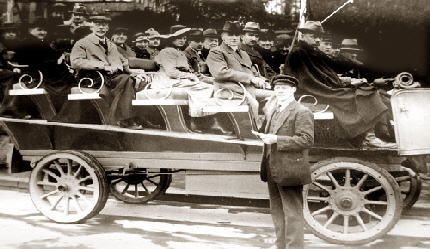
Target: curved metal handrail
[
  {"x": 231, "y": 96},
  {"x": 315, "y": 102},
  {"x": 146, "y": 89},
  {"x": 24, "y": 85},
  {"x": 91, "y": 84}
]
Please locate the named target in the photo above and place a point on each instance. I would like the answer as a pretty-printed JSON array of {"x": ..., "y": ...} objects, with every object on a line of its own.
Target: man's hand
[
  {"x": 193, "y": 77},
  {"x": 110, "y": 69},
  {"x": 259, "y": 82},
  {"x": 268, "y": 138}
]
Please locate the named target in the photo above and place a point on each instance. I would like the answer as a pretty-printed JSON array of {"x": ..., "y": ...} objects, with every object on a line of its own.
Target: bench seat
[{"x": 17, "y": 90}]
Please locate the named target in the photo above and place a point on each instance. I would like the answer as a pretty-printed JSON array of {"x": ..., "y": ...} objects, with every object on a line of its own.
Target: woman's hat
[
  {"x": 350, "y": 44},
  {"x": 176, "y": 31},
  {"x": 232, "y": 27},
  {"x": 140, "y": 36},
  {"x": 313, "y": 27},
  {"x": 283, "y": 79}
]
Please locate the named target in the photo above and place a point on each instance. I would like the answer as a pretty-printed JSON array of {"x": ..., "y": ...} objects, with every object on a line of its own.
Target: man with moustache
[
  {"x": 249, "y": 43},
  {"x": 230, "y": 65},
  {"x": 97, "y": 53},
  {"x": 194, "y": 53}
]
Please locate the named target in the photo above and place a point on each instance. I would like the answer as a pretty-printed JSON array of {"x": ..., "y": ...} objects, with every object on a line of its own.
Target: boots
[{"x": 371, "y": 141}]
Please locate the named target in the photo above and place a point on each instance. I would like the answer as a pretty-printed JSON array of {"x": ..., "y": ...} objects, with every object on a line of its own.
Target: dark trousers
[
  {"x": 286, "y": 208},
  {"x": 119, "y": 93}
]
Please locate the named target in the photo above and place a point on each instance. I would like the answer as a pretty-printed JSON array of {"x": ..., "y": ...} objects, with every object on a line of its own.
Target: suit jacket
[
  {"x": 228, "y": 68},
  {"x": 295, "y": 130},
  {"x": 257, "y": 59},
  {"x": 88, "y": 54},
  {"x": 197, "y": 64}
]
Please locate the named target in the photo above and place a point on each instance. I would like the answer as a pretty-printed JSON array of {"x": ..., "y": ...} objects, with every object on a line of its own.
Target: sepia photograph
[{"x": 214, "y": 124}]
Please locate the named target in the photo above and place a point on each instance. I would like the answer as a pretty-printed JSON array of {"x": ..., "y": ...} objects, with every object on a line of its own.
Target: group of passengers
[{"x": 194, "y": 60}]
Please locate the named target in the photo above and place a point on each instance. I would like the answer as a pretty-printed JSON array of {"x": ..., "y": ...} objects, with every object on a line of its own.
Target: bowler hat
[
  {"x": 99, "y": 18},
  {"x": 119, "y": 30},
  {"x": 195, "y": 35},
  {"x": 39, "y": 22},
  {"x": 349, "y": 44},
  {"x": 210, "y": 33},
  {"x": 252, "y": 27},
  {"x": 282, "y": 79},
  {"x": 313, "y": 27},
  {"x": 232, "y": 27},
  {"x": 8, "y": 26}
]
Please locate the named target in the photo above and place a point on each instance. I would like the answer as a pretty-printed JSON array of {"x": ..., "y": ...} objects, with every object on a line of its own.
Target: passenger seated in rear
[
  {"x": 37, "y": 54},
  {"x": 119, "y": 37},
  {"x": 174, "y": 64},
  {"x": 96, "y": 52}
]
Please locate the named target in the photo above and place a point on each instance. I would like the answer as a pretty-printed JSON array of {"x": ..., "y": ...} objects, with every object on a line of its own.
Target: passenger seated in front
[
  {"x": 96, "y": 52},
  {"x": 174, "y": 64}
]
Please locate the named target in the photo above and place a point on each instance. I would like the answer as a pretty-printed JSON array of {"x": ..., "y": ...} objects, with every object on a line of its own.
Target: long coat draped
[{"x": 356, "y": 110}]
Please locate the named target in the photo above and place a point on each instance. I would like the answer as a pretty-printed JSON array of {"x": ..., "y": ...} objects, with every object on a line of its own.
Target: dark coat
[
  {"x": 256, "y": 58},
  {"x": 295, "y": 130},
  {"x": 356, "y": 110},
  {"x": 228, "y": 68},
  {"x": 197, "y": 63}
]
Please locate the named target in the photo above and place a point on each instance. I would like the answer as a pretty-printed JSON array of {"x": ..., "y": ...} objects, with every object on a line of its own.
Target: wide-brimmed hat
[
  {"x": 350, "y": 44},
  {"x": 195, "y": 35},
  {"x": 283, "y": 79},
  {"x": 178, "y": 30},
  {"x": 140, "y": 36},
  {"x": 152, "y": 33},
  {"x": 8, "y": 26},
  {"x": 313, "y": 27},
  {"x": 232, "y": 27},
  {"x": 210, "y": 33},
  {"x": 252, "y": 27}
]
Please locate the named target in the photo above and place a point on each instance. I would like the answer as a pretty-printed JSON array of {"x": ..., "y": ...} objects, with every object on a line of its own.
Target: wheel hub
[
  {"x": 135, "y": 178},
  {"x": 347, "y": 201},
  {"x": 69, "y": 185}
]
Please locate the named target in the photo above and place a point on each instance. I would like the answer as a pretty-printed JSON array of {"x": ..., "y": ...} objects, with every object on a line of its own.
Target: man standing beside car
[{"x": 288, "y": 134}]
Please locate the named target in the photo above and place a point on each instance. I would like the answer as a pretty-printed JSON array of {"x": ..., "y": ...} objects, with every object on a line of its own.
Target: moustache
[{"x": 199, "y": 47}]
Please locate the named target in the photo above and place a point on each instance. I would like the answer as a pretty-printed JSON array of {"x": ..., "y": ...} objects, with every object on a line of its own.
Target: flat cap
[{"x": 282, "y": 79}]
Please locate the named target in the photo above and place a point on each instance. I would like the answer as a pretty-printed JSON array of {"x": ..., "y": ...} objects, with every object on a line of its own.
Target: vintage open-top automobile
[{"x": 356, "y": 195}]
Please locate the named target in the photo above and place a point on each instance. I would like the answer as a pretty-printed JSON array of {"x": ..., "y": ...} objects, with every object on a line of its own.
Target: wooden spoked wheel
[
  {"x": 351, "y": 201},
  {"x": 139, "y": 185},
  {"x": 68, "y": 186},
  {"x": 410, "y": 186}
]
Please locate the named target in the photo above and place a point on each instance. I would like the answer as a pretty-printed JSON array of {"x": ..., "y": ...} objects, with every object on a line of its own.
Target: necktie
[
  {"x": 104, "y": 44},
  {"x": 238, "y": 52}
]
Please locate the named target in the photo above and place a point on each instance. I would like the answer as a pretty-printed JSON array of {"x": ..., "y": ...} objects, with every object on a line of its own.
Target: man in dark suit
[
  {"x": 230, "y": 65},
  {"x": 249, "y": 44},
  {"x": 289, "y": 133}
]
